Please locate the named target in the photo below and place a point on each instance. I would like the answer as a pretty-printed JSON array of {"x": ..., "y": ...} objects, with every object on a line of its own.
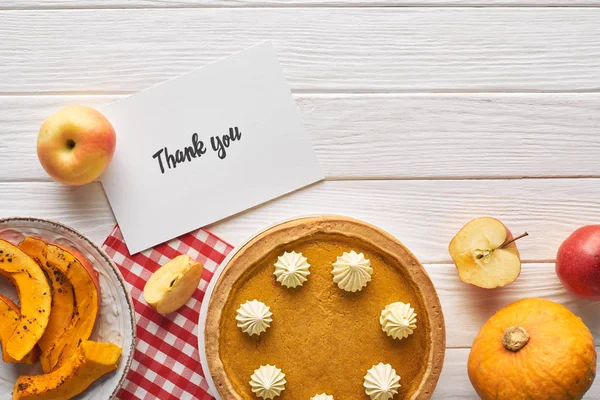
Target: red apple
[
  {"x": 578, "y": 262},
  {"x": 75, "y": 145}
]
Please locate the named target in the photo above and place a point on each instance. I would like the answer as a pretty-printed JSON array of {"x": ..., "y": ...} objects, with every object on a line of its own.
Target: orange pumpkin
[{"x": 533, "y": 349}]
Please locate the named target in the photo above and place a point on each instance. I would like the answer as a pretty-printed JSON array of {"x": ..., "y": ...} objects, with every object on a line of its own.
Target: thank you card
[{"x": 205, "y": 146}]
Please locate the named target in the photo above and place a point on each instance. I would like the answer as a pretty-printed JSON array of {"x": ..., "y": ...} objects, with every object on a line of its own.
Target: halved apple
[
  {"x": 9, "y": 319},
  {"x": 171, "y": 286},
  {"x": 485, "y": 253}
]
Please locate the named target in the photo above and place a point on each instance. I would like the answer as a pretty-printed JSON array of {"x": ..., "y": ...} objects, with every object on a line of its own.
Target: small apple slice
[
  {"x": 171, "y": 286},
  {"x": 485, "y": 253}
]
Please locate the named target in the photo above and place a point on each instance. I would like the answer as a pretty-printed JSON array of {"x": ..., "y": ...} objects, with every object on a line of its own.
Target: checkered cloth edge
[{"x": 166, "y": 362}]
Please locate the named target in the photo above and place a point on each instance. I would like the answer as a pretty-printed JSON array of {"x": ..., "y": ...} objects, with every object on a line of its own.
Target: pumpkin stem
[{"x": 515, "y": 338}]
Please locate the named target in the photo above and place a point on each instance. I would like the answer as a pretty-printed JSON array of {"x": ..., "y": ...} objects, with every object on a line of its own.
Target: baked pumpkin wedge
[
  {"x": 86, "y": 291},
  {"x": 34, "y": 295},
  {"x": 91, "y": 361},
  {"x": 9, "y": 318},
  {"x": 63, "y": 299},
  {"x": 86, "y": 264}
]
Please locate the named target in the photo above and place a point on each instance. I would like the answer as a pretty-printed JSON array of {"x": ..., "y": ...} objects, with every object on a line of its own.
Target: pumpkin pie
[{"x": 325, "y": 336}]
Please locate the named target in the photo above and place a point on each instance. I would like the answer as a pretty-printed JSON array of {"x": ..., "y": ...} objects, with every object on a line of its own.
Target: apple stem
[
  {"x": 507, "y": 242},
  {"x": 503, "y": 245}
]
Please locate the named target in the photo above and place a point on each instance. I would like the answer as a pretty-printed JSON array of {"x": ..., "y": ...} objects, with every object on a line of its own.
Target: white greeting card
[{"x": 204, "y": 146}]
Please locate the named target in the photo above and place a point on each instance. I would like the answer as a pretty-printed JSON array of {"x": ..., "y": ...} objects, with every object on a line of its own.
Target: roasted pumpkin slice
[
  {"x": 9, "y": 318},
  {"x": 85, "y": 262},
  {"x": 86, "y": 291},
  {"x": 34, "y": 295},
  {"x": 91, "y": 361},
  {"x": 63, "y": 299}
]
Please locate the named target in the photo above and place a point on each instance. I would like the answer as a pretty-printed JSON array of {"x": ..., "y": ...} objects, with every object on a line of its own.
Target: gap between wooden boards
[{"x": 9, "y": 5}]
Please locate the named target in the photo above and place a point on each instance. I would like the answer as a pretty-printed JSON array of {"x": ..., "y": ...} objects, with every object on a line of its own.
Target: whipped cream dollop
[
  {"x": 352, "y": 271},
  {"x": 267, "y": 381},
  {"x": 381, "y": 382},
  {"x": 322, "y": 396},
  {"x": 398, "y": 320},
  {"x": 291, "y": 269},
  {"x": 254, "y": 317}
]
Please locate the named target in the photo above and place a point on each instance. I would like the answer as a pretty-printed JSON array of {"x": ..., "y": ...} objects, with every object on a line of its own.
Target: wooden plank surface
[
  {"x": 426, "y": 214},
  {"x": 77, "y": 4},
  {"x": 423, "y": 214},
  {"x": 392, "y": 136},
  {"x": 466, "y": 308},
  {"x": 84, "y": 208},
  {"x": 322, "y": 49},
  {"x": 408, "y": 161}
]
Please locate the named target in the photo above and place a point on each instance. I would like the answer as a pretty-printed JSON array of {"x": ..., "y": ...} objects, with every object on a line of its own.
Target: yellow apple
[
  {"x": 75, "y": 145},
  {"x": 485, "y": 253},
  {"x": 172, "y": 285}
]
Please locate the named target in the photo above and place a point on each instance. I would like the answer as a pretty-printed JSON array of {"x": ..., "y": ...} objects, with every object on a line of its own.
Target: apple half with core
[
  {"x": 485, "y": 253},
  {"x": 578, "y": 262},
  {"x": 75, "y": 145},
  {"x": 172, "y": 285}
]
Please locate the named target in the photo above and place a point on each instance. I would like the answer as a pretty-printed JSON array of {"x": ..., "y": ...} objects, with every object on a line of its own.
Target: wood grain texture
[
  {"x": 423, "y": 214},
  {"x": 391, "y": 136},
  {"x": 321, "y": 49},
  {"x": 426, "y": 214},
  {"x": 454, "y": 382},
  {"x": 466, "y": 308},
  {"x": 84, "y": 208},
  {"x": 460, "y": 135},
  {"x": 337, "y": 46},
  {"x": 77, "y": 4}
]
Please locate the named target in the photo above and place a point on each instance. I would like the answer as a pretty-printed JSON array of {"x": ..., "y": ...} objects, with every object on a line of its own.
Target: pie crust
[{"x": 312, "y": 231}]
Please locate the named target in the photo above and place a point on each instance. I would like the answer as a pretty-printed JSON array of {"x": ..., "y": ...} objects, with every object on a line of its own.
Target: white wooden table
[{"x": 424, "y": 114}]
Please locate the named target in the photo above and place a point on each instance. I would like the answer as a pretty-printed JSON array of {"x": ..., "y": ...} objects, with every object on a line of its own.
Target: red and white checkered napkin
[{"x": 166, "y": 362}]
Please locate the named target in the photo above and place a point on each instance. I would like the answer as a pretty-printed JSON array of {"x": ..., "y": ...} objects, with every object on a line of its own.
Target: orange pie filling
[{"x": 324, "y": 339}]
